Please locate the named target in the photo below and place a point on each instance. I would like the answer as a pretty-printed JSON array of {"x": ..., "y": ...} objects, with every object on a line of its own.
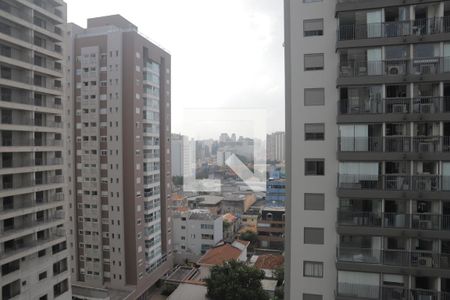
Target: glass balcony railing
[
  {"x": 415, "y": 183},
  {"x": 417, "y": 105},
  {"x": 361, "y": 291},
  {"x": 420, "y": 221},
  {"x": 395, "y": 67},
  {"x": 394, "y": 257},
  {"x": 390, "y": 144},
  {"x": 419, "y": 27}
]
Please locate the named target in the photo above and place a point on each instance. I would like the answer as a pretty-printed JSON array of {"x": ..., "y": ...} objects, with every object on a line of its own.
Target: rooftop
[
  {"x": 222, "y": 253},
  {"x": 195, "y": 214},
  {"x": 206, "y": 199},
  {"x": 274, "y": 208},
  {"x": 269, "y": 261},
  {"x": 189, "y": 291}
]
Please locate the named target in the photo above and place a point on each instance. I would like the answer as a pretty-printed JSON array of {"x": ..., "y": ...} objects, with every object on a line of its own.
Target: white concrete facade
[{"x": 195, "y": 231}]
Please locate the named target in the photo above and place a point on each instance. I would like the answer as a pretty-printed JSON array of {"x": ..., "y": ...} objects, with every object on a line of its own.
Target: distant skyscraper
[
  {"x": 224, "y": 138},
  {"x": 275, "y": 146},
  {"x": 33, "y": 248},
  {"x": 233, "y": 137},
  {"x": 177, "y": 154},
  {"x": 119, "y": 158}
]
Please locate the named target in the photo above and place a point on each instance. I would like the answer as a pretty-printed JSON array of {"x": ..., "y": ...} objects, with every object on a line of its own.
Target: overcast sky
[{"x": 225, "y": 54}]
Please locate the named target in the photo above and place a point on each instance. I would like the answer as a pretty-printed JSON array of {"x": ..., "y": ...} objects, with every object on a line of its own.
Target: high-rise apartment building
[
  {"x": 33, "y": 251},
  {"x": 275, "y": 148},
  {"x": 368, "y": 127},
  {"x": 119, "y": 158}
]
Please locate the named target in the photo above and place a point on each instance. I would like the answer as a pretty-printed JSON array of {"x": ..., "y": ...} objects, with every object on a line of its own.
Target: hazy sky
[{"x": 225, "y": 54}]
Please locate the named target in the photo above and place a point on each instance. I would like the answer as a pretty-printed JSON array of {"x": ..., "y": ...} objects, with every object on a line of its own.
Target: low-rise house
[
  {"x": 224, "y": 252},
  {"x": 211, "y": 202},
  {"x": 194, "y": 232},
  {"x": 268, "y": 263}
]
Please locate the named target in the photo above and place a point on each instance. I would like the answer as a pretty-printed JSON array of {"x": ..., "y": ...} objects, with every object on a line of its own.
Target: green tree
[
  {"x": 250, "y": 236},
  {"x": 279, "y": 275},
  {"x": 235, "y": 281}
]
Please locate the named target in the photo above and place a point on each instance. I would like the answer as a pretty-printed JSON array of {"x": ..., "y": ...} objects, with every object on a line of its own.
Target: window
[
  {"x": 314, "y": 97},
  {"x": 314, "y": 167},
  {"x": 42, "y": 275},
  {"x": 314, "y": 132},
  {"x": 207, "y": 237},
  {"x": 313, "y": 269},
  {"x": 314, "y": 201},
  {"x": 313, "y": 27},
  {"x": 314, "y": 62},
  {"x": 206, "y": 226},
  {"x": 313, "y": 236},
  {"x": 60, "y": 288},
  {"x": 312, "y": 297}
]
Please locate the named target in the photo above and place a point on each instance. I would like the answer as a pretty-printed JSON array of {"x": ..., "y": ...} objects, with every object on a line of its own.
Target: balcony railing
[
  {"x": 417, "y": 105},
  {"x": 417, "y": 27},
  {"x": 430, "y": 144},
  {"x": 417, "y": 183},
  {"x": 420, "y": 221},
  {"x": 17, "y": 184},
  {"x": 395, "y": 67},
  {"x": 403, "y": 258},
  {"x": 362, "y": 291}
]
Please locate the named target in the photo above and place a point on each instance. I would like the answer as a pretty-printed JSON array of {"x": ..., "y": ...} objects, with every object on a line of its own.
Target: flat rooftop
[{"x": 206, "y": 199}]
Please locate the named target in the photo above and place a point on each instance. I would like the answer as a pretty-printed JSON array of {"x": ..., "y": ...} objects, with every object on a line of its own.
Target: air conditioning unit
[
  {"x": 426, "y": 69},
  {"x": 399, "y": 108},
  {"x": 426, "y": 108},
  {"x": 394, "y": 70},
  {"x": 425, "y": 147}
]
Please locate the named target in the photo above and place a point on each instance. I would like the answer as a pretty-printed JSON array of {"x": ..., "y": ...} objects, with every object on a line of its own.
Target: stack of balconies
[
  {"x": 32, "y": 218},
  {"x": 393, "y": 183}
]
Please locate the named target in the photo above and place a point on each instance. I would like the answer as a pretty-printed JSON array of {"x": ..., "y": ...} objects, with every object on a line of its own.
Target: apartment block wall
[
  {"x": 33, "y": 247},
  {"x": 120, "y": 86},
  {"x": 298, "y": 249}
]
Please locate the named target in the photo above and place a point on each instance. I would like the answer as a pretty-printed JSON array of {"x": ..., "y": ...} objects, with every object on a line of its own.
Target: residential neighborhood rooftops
[
  {"x": 269, "y": 261},
  {"x": 224, "y": 252},
  {"x": 206, "y": 199},
  {"x": 195, "y": 214}
]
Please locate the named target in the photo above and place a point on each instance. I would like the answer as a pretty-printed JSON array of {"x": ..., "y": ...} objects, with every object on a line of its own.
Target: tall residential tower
[
  {"x": 119, "y": 158},
  {"x": 33, "y": 249},
  {"x": 368, "y": 153}
]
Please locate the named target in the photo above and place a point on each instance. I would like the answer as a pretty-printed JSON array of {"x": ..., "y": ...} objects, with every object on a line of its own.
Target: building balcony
[
  {"x": 399, "y": 144},
  {"x": 420, "y": 27},
  {"x": 21, "y": 248},
  {"x": 419, "y": 221},
  {"x": 21, "y": 13},
  {"x": 395, "y": 67},
  {"x": 31, "y": 203},
  {"x": 417, "y": 105},
  {"x": 390, "y": 257},
  {"x": 414, "y": 183},
  {"x": 18, "y": 184},
  {"x": 29, "y": 142},
  {"x": 359, "y": 291}
]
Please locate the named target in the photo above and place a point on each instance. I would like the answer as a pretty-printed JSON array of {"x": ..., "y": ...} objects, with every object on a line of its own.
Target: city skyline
[{"x": 247, "y": 53}]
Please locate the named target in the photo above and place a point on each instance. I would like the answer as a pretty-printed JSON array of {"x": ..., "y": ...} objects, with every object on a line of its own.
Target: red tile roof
[
  {"x": 220, "y": 254},
  {"x": 269, "y": 262}
]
